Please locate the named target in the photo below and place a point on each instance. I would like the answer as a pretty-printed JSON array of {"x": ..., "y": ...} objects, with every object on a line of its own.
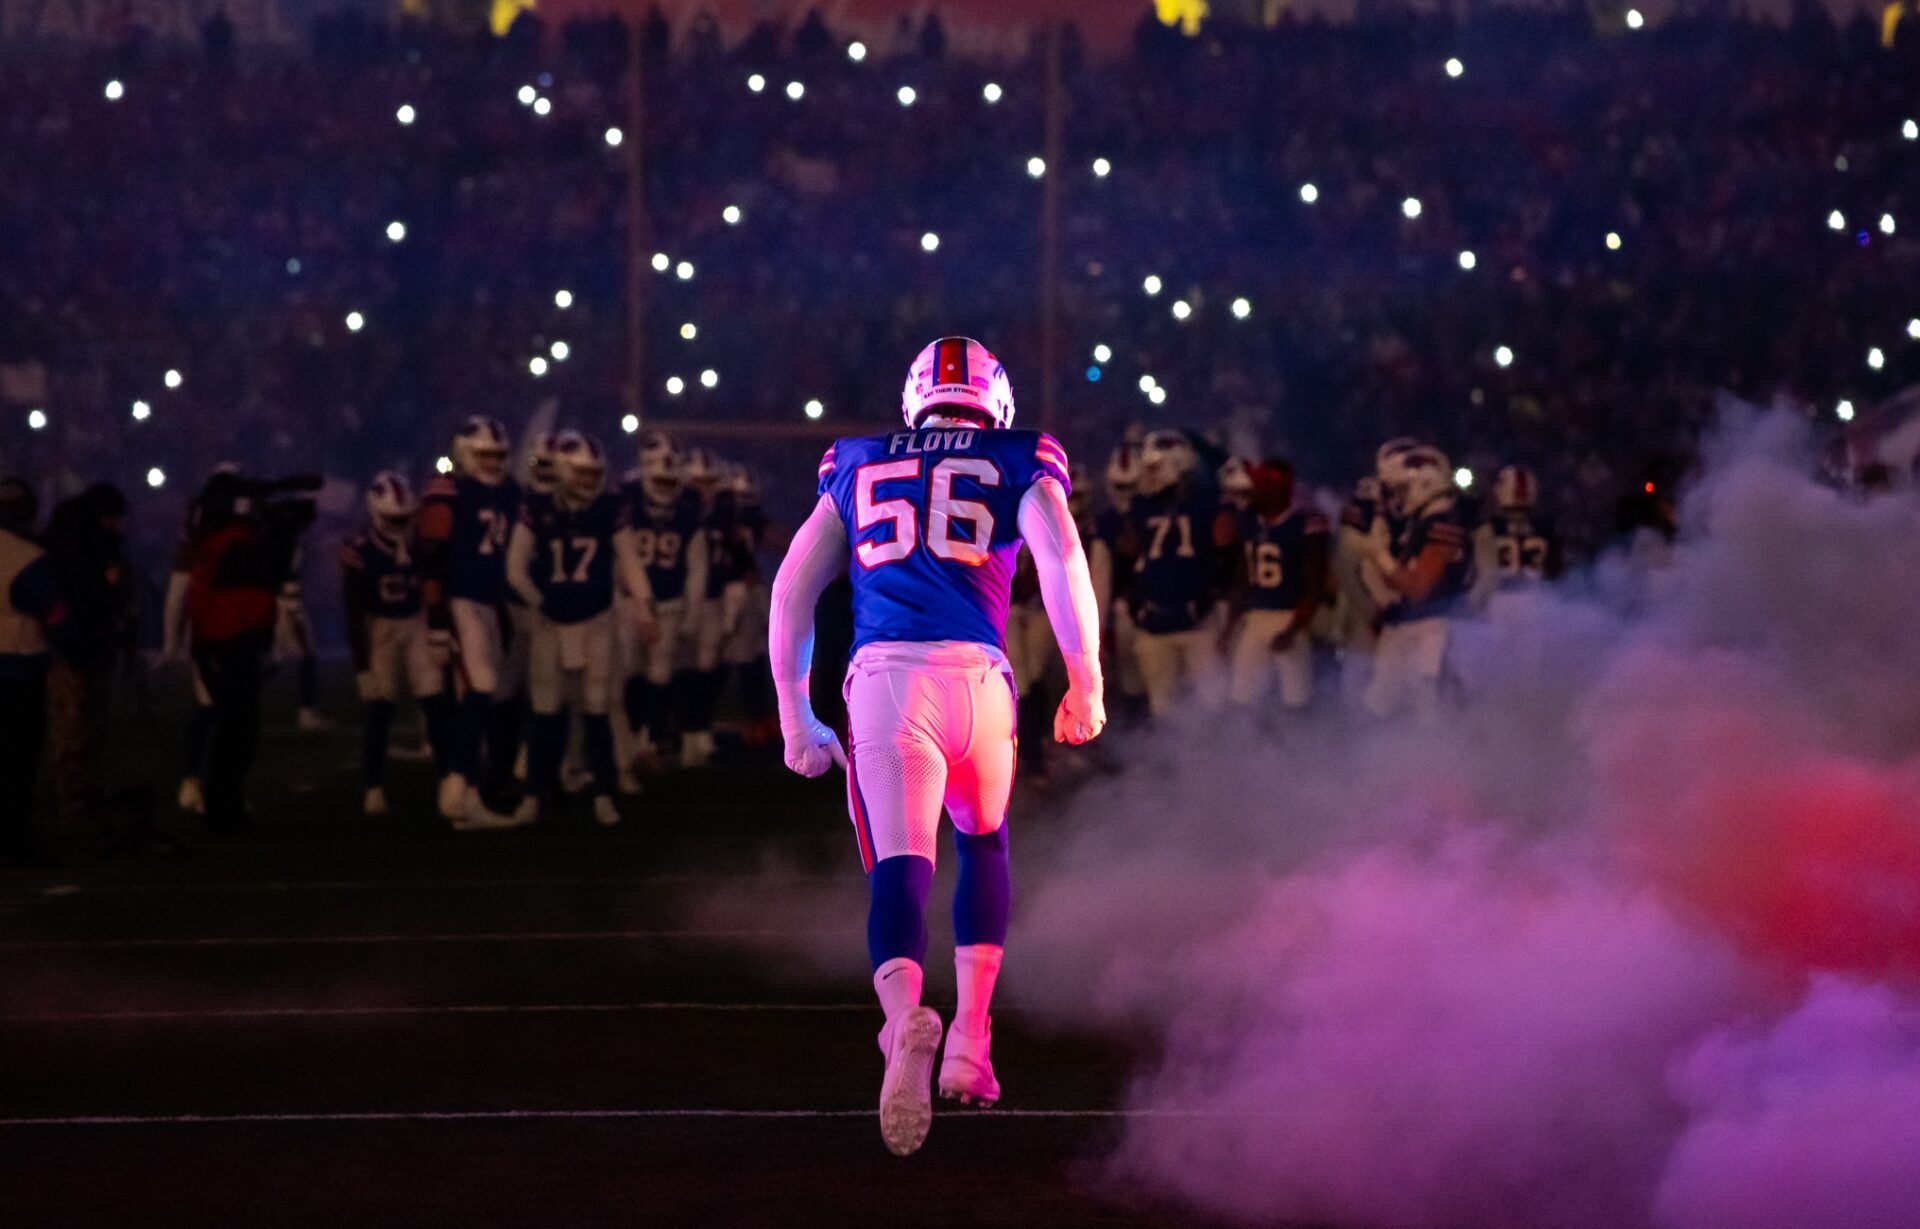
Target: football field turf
[{"x": 332, "y": 1019}]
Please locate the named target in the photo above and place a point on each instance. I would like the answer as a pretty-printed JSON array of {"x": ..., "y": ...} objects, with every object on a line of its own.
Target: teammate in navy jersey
[
  {"x": 1112, "y": 568},
  {"x": 665, "y": 516},
  {"x": 744, "y": 606},
  {"x": 699, "y": 688},
  {"x": 567, "y": 556},
  {"x": 1514, "y": 546},
  {"x": 930, "y": 520},
  {"x": 1282, "y": 575},
  {"x": 1175, "y": 532},
  {"x": 387, "y": 631},
  {"x": 465, "y": 518},
  {"x": 1428, "y": 569}
]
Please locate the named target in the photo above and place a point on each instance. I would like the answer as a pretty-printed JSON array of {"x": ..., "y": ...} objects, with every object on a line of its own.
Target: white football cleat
[
  {"x": 311, "y": 722},
  {"x": 191, "y": 800},
  {"x": 528, "y": 812},
  {"x": 696, "y": 749},
  {"x": 966, "y": 1069},
  {"x": 475, "y": 816},
  {"x": 453, "y": 796},
  {"x": 604, "y": 812},
  {"x": 906, "y": 1100},
  {"x": 376, "y": 801},
  {"x": 629, "y": 781},
  {"x": 574, "y": 777}
]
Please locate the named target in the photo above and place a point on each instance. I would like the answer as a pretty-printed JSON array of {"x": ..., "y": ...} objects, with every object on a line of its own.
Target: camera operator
[
  {"x": 33, "y": 620},
  {"x": 242, "y": 552}
]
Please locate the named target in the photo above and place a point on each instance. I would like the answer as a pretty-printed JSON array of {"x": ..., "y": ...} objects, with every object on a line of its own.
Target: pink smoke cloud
[{"x": 1812, "y": 1122}]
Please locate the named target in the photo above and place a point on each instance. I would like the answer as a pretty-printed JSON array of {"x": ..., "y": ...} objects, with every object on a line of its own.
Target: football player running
[
  {"x": 387, "y": 631},
  {"x": 1428, "y": 570},
  {"x": 1175, "y": 532},
  {"x": 465, "y": 517},
  {"x": 565, "y": 557},
  {"x": 932, "y": 519},
  {"x": 1283, "y": 581}
]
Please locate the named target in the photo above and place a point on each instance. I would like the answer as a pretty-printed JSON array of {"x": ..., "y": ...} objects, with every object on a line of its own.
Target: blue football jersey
[
  {"x": 482, "y": 516},
  {"x": 661, "y": 535},
  {"x": 1524, "y": 548},
  {"x": 389, "y": 585},
  {"x": 933, "y": 520},
  {"x": 1176, "y": 566},
  {"x": 1439, "y": 529},
  {"x": 1278, "y": 554},
  {"x": 573, "y": 556}
]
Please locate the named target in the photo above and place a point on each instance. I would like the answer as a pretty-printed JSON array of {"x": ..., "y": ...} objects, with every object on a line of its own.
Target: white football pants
[
  {"x": 1406, "y": 668},
  {"x": 576, "y": 654},
  {"x": 1255, "y": 665},
  {"x": 399, "y": 655},
  {"x": 1171, "y": 661},
  {"x": 929, "y": 725}
]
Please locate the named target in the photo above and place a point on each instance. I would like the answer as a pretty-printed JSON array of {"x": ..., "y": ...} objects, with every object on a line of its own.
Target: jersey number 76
[{"x": 942, "y": 511}]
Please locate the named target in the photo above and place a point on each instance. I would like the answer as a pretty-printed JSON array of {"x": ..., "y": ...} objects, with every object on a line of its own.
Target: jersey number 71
[{"x": 942, "y": 511}]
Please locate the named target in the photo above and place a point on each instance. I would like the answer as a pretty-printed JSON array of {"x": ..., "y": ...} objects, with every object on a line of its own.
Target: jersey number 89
[{"x": 942, "y": 511}]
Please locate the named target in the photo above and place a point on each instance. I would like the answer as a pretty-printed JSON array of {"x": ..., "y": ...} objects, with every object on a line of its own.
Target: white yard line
[
  {"x": 548, "y": 936},
  {"x": 459, "y": 1009},
  {"x": 148, "y": 1120},
  {"x": 273, "y": 886}
]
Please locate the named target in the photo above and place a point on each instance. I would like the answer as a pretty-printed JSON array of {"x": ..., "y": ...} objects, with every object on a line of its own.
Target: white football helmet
[
  {"x": 540, "y": 474},
  {"x": 1123, "y": 474},
  {"x": 703, "y": 471},
  {"x": 480, "y": 449},
  {"x": 1425, "y": 477},
  {"x": 1236, "y": 482},
  {"x": 960, "y": 373},
  {"x": 659, "y": 470},
  {"x": 1386, "y": 459},
  {"x": 1167, "y": 458},
  {"x": 579, "y": 467},
  {"x": 391, "y": 505},
  {"x": 1516, "y": 489}
]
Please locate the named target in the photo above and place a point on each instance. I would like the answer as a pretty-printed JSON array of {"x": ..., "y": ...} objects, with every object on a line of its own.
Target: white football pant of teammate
[{"x": 1256, "y": 665}]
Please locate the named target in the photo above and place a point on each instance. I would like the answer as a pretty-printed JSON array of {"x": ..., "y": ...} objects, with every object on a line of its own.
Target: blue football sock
[
  {"x": 438, "y": 711},
  {"x": 596, "y": 731},
  {"x": 983, "y": 898},
  {"x": 374, "y": 736},
  {"x": 546, "y": 744},
  {"x": 896, "y": 916},
  {"x": 470, "y": 732}
]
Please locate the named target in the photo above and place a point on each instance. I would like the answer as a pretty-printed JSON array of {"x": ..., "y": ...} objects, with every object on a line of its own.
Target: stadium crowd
[{"x": 1536, "y": 240}]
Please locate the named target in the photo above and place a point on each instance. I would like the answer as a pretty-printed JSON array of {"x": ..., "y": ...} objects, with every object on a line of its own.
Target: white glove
[
  {"x": 812, "y": 747},
  {"x": 1081, "y": 717}
]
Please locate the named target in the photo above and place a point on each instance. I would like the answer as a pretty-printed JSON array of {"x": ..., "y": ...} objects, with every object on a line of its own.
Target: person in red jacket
[{"x": 242, "y": 553}]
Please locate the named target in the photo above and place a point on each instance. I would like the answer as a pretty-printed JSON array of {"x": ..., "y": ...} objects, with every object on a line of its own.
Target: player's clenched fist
[
  {"x": 1081, "y": 717},
  {"x": 812, "y": 747}
]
